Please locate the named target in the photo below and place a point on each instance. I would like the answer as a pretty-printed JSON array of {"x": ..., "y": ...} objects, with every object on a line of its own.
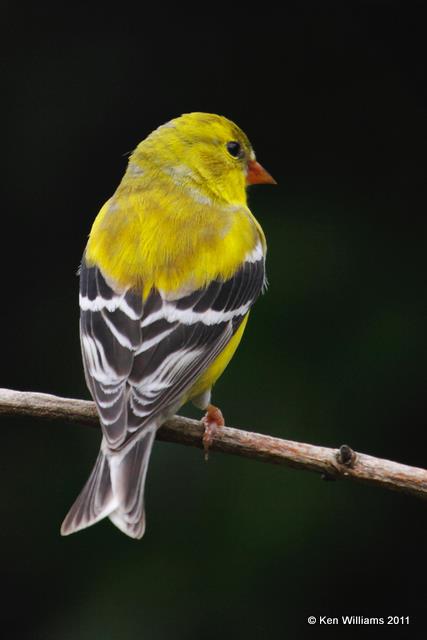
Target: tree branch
[{"x": 331, "y": 463}]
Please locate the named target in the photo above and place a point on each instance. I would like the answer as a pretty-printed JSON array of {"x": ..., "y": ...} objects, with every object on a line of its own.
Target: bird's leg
[{"x": 212, "y": 420}]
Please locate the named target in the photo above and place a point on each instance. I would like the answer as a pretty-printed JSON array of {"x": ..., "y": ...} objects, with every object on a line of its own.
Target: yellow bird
[{"x": 175, "y": 260}]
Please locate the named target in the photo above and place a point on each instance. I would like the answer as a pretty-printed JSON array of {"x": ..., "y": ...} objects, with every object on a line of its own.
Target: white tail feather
[{"x": 115, "y": 489}]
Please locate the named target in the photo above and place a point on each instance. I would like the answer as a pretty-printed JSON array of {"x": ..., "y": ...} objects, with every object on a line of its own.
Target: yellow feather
[
  {"x": 179, "y": 218},
  {"x": 215, "y": 370}
]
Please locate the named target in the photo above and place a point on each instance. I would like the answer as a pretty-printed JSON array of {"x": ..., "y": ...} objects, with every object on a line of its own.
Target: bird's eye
[{"x": 234, "y": 149}]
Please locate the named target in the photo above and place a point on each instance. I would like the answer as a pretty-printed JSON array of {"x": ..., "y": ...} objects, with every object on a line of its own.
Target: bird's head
[{"x": 207, "y": 151}]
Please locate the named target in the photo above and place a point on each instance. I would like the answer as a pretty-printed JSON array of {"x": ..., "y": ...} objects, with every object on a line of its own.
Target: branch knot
[{"x": 346, "y": 456}]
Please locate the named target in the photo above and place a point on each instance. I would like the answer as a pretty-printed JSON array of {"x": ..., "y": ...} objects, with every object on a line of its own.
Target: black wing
[{"x": 140, "y": 359}]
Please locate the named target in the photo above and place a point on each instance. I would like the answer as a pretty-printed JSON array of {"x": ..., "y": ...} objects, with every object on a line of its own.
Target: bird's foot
[{"x": 212, "y": 421}]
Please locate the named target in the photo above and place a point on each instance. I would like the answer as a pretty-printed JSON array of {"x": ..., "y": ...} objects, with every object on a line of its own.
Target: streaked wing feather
[
  {"x": 140, "y": 359},
  {"x": 110, "y": 329}
]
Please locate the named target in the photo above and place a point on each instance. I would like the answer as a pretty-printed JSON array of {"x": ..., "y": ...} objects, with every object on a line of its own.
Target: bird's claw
[{"x": 212, "y": 421}]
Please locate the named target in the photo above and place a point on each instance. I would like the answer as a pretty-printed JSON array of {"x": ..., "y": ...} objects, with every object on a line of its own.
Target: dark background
[{"x": 333, "y": 98}]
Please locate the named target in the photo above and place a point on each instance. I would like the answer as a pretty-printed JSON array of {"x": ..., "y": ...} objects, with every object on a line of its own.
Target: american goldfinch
[{"x": 174, "y": 261}]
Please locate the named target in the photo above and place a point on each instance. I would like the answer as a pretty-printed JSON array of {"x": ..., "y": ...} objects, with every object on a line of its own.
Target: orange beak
[{"x": 257, "y": 174}]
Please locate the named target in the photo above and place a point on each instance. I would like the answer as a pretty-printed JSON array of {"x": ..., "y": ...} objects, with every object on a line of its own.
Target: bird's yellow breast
[{"x": 154, "y": 235}]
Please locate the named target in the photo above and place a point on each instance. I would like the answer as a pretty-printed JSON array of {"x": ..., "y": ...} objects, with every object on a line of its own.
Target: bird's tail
[{"x": 115, "y": 489}]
